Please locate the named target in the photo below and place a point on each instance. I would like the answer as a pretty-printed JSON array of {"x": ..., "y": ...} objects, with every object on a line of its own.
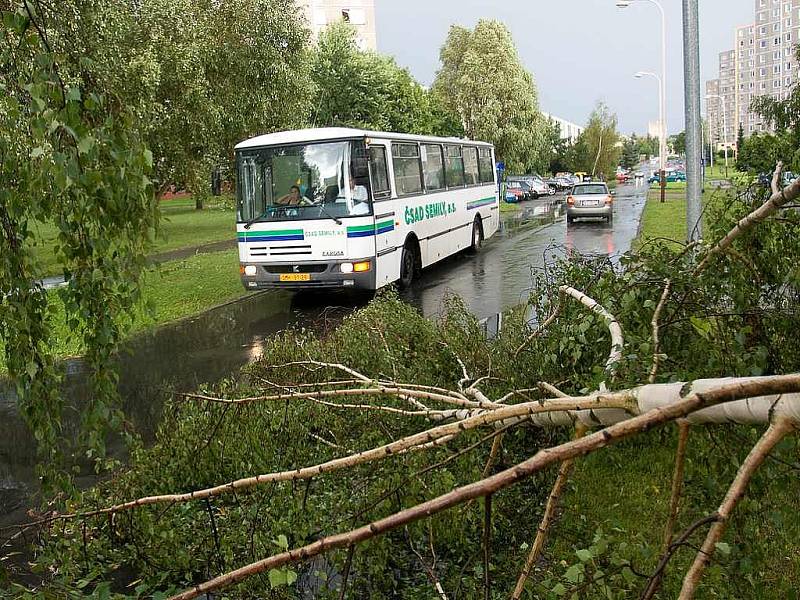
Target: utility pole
[{"x": 691, "y": 83}]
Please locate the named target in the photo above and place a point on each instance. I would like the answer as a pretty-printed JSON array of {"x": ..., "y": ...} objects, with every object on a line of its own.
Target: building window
[
  {"x": 788, "y": 81},
  {"x": 788, "y": 37},
  {"x": 776, "y": 83},
  {"x": 355, "y": 16},
  {"x": 776, "y": 27},
  {"x": 762, "y": 72},
  {"x": 776, "y": 69}
]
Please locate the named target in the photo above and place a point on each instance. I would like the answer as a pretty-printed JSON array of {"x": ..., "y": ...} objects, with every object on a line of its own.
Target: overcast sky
[{"x": 579, "y": 51}]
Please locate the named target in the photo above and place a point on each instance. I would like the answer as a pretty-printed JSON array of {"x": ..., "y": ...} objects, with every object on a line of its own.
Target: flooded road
[{"x": 206, "y": 348}]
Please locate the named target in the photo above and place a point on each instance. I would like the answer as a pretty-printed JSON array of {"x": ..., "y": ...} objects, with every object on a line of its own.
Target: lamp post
[
  {"x": 661, "y": 145},
  {"x": 663, "y": 140},
  {"x": 724, "y": 126}
]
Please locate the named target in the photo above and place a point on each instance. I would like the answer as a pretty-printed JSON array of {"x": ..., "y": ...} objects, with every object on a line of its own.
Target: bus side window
[
  {"x": 407, "y": 169},
  {"x": 471, "y": 165},
  {"x": 486, "y": 165},
  {"x": 433, "y": 167},
  {"x": 454, "y": 166},
  {"x": 379, "y": 176}
]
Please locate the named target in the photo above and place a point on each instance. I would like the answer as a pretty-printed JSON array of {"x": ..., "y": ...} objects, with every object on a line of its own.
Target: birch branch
[
  {"x": 776, "y": 432},
  {"x": 540, "y": 329},
  {"x": 677, "y": 482},
  {"x": 619, "y": 402},
  {"x": 770, "y": 207},
  {"x": 614, "y": 328},
  {"x": 765, "y": 388},
  {"x": 654, "y": 324},
  {"x": 548, "y": 518}
]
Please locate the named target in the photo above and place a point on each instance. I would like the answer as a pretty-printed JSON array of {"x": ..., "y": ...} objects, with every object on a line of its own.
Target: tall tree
[
  {"x": 364, "y": 89},
  {"x": 599, "y": 144},
  {"x": 678, "y": 143},
  {"x": 483, "y": 81},
  {"x": 630, "y": 154}
]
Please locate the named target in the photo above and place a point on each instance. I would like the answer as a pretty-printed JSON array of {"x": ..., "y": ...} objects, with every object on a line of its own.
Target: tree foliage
[
  {"x": 597, "y": 150},
  {"x": 364, "y": 89},
  {"x": 678, "y": 143},
  {"x": 71, "y": 156},
  {"x": 630, "y": 154},
  {"x": 762, "y": 151},
  {"x": 202, "y": 76},
  {"x": 483, "y": 81}
]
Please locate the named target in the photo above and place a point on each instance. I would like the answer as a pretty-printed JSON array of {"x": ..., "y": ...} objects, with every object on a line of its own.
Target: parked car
[
  {"x": 639, "y": 175},
  {"x": 512, "y": 197},
  {"x": 671, "y": 177},
  {"x": 535, "y": 183},
  {"x": 565, "y": 183},
  {"x": 590, "y": 200},
  {"x": 622, "y": 177},
  {"x": 519, "y": 189}
]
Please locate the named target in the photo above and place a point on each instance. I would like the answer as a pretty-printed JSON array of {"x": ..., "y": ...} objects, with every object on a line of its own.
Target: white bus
[{"x": 348, "y": 208}]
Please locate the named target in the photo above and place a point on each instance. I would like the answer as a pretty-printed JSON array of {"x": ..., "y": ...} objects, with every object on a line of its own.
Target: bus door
[{"x": 385, "y": 217}]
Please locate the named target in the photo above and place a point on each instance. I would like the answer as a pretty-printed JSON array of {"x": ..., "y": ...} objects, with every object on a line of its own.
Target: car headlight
[
  {"x": 250, "y": 270},
  {"x": 346, "y": 267}
]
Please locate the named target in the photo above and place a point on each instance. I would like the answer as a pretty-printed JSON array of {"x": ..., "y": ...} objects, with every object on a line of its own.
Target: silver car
[{"x": 590, "y": 200}]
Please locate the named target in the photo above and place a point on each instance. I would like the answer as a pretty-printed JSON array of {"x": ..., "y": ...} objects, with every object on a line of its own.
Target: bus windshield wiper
[
  {"x": 253, "y": 221},
  {"x": 329, "y": 215}
]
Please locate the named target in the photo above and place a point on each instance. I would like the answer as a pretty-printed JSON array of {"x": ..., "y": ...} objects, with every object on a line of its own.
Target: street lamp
[
  {"x": 661, "y": 146},
  {"x": 663, "y": 141},
  {"x": 724, "y": 126}
]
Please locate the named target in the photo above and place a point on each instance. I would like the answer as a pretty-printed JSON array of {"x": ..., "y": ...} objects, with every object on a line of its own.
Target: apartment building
[
  {"x": 761, "y": 63},
  {"x": 359, "y": 13},
  {"x": 569, "y": 130}
]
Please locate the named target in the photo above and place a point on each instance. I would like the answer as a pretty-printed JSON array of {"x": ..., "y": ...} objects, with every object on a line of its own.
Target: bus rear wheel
[
  {"x": 477, "y": 236},
  {"x": 408, "y": 265}
]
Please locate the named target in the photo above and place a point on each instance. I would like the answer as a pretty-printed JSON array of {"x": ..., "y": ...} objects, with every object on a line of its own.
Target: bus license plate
[{"x": 295, "y": 277}]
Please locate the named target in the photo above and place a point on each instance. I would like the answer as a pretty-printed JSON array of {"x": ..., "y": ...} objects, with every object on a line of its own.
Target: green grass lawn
[
  {"x": 182, "y": 226},
  {"x": 508, "y": 207},
  {"x": 174, "y": 290},
  {"x": 664, "y": 220},
  {"x": 625, "y": 493}
]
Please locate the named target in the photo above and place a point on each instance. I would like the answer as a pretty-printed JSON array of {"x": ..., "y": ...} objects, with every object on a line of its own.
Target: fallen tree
[{"x": 391, "y": 416}]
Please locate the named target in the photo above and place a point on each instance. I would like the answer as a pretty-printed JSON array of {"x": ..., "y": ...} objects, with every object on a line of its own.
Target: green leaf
[
  {"x": 37, "y": 152},
  {"x": 291, "y": 577},
  {"x": 574, "y": 573},
  {"x": 723, "y": 548},
  {"x": 277, "y": 578},
  {"x": 85, "y": 145},
  {"x": 584, "y": 555}
]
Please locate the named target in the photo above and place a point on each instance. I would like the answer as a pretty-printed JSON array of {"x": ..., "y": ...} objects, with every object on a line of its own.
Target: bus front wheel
[{"x": 408, "y": 265}]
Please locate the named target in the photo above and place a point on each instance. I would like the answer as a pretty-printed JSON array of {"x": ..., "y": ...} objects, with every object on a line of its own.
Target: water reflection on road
[{"x": 209, "y": 347}]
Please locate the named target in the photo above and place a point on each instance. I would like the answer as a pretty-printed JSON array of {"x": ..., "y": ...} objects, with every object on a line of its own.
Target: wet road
[
  {"x": 211, "y": 346},
  {"x": 500, "y": 276}
]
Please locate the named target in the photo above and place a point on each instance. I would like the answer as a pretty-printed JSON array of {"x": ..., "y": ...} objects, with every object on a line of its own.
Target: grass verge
[{"x": 182, "y": 226}]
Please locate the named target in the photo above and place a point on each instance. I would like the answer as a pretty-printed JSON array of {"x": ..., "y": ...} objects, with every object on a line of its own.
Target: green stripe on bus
[
  {"x": 271, "y": 233},
  {"x": 354, "y": 228},
  {"x": 384, "y": 223}
]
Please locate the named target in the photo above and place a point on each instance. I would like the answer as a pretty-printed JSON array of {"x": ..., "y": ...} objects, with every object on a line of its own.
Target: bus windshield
[{"x": 313, "y": 181}]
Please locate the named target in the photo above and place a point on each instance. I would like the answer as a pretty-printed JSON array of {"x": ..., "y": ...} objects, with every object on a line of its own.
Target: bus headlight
[
  {"x": 250, "y": 270},
  {"x": 346, "y": 267}
]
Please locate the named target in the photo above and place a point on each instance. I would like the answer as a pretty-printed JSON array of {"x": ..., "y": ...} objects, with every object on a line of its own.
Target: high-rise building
[
  {"x": 359, "y": 13},
  {"x": 762, "y": 63}
]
